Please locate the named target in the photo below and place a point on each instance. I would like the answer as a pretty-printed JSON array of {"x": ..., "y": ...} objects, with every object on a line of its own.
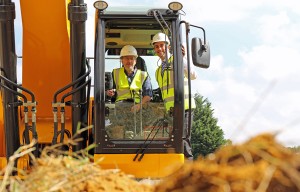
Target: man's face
[
  {"x": 128, "y": 62},
  {"x": 160, "y": 49}
]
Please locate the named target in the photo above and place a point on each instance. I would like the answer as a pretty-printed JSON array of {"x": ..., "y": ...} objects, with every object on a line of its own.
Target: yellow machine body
[{"x": 47, "y": 67}]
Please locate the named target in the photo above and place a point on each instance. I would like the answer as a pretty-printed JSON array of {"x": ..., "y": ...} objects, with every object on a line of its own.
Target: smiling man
[
  {"x": 164, "y": 78},
  {"x": 129, "y": 83}
]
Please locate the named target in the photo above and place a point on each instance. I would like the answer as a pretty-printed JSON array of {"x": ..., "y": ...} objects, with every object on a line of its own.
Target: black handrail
[{"x": 189, "y": 78}]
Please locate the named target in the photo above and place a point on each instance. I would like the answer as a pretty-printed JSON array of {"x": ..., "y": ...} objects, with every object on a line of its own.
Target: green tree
[
  {"x": 207, "y": 136},
  {"x": 295, "y": 149}
]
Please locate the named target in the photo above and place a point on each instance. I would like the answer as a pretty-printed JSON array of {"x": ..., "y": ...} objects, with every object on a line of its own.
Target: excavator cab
[
  {"x": 145, "y": 143},
  {"x": 59, "y": 97}
]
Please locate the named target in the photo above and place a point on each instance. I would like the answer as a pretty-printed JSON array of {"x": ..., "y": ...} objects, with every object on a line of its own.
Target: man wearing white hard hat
[
  {"x": 129, "y": 83},
  {"x": 164, "y": 78}
]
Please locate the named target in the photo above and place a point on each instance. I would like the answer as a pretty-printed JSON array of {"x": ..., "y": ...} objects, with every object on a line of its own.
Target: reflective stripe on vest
[
  {"x": 167, "y": 88},
  {"x": 126, "y": 91}
]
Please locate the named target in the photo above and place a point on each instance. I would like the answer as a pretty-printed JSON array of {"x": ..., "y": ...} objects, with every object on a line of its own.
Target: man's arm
[
  {"x": 147, "y": 87},
  {"x": 147, "y": 94},
  {"x": 193, "y": 73},
  {"x": 146, "y": 99}
]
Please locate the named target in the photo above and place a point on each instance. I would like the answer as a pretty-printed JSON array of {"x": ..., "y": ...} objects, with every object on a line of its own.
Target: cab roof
[{"x": 137, "y": 10}]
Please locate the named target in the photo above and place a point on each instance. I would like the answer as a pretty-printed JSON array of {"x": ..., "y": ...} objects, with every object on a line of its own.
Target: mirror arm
[{"x": 204, "y": 35}]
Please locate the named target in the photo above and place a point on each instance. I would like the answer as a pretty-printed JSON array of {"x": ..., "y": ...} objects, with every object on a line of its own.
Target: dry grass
[
  {"x": 61, "y": 171},
  {"x": 65, "y": 173},
  {"x": 259, "y": 165}
]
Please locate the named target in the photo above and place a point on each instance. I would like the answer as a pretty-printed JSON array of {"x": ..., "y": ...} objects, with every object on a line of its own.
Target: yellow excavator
[{"x": 63, "y": 90}]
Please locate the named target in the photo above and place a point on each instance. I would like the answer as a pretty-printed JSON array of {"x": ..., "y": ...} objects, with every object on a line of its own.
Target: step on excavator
[{"x": 63, "y": 91}]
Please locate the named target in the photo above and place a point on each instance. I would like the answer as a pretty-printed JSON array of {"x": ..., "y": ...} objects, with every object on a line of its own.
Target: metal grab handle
[
  {"x": 134, "y": 110},
  {"x": 141, "y": 113}
]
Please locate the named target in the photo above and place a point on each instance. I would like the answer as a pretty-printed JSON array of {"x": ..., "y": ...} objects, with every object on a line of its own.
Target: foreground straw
[{"x": 259, "y": 165}]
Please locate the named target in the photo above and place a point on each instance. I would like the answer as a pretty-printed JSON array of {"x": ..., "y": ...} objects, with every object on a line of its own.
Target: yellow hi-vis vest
[
  {"x": 166, "y": 84},
  {"x": 126, "y": 91}
]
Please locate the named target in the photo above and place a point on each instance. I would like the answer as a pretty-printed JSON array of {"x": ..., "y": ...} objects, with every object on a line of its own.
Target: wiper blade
[
  {"x": 158, "y": 124},
  {"x": 155, "y": 13}
]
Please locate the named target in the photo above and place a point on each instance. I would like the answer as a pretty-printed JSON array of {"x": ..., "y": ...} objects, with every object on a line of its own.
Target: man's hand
[
  {"x": 136, "y": 107},
  {"x": 183, "y": 50},
  {"x": 110, "y": 92}
]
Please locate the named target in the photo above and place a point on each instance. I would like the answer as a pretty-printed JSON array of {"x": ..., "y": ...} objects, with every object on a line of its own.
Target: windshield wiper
[
  {"x": 155, "y": 13},
  {"x": 158, "y": 125}
]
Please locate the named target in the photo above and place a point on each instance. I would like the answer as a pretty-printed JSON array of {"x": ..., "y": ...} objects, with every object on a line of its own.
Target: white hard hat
[
  {"x": 160, "y": 37},
  {"x": 128, "y": 50}
]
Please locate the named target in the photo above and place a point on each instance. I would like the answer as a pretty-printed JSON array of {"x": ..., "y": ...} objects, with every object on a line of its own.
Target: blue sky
[{"x": 253, "y": 81}]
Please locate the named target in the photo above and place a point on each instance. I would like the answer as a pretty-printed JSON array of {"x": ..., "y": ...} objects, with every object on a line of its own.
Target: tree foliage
[
  {"x": 295, "y": 149},
  {"x": 207, "y": 136}
]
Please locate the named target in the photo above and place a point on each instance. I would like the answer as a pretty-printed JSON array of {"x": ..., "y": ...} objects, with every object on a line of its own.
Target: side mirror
[{"x": 200, "y": 53}]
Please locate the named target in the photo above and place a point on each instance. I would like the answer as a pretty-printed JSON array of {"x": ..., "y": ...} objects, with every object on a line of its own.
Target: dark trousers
[{"x": 187, "y": 145}]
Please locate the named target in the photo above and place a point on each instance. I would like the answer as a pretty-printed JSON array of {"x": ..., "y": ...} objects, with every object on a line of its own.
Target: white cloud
[
  {"x": 243, "y": 94},
  {"x": 279, "y": 29},
  {"x": 222, "y": 11},
  {"x": 272, "y": 62}
]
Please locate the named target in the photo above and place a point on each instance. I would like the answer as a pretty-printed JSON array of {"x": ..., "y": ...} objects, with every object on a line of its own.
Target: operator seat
[{"x": 141, "y": 64}]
